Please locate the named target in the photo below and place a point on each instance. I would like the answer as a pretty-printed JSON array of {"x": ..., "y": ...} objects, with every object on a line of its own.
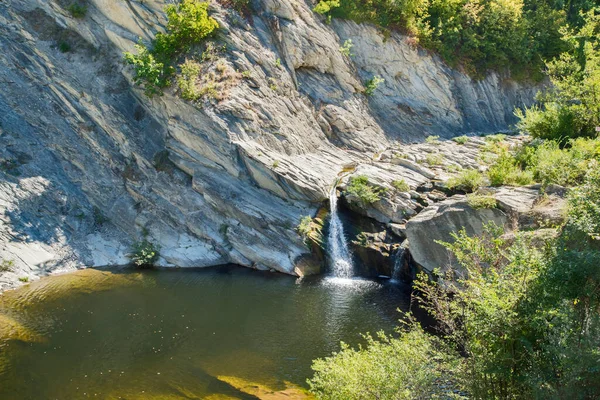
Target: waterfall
[
  {"x": 398, "y": 263},
  {"x": 337, "y": 244}
]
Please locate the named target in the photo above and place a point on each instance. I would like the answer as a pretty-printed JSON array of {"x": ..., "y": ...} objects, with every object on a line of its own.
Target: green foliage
[
  {"x": 346, "y": 48},
  {"x": 506, "y": 171},
  {"x": 434, "y": 160},
  {"x": 467, "y": 180},
  {"x": 584, "y": 203},
  {"x": 275, "y": 163},
  {"x": 372, "y": 84},
  {"x": 479, "y": 201},
  {"x": 150, "y": 73},
  {"x": 77, "y": 10},
  {"x": 358, "y": 186},
  {"x": 6, "y": 265},
  {"x": 325, "y": 6},
  {"x": 432, "y": 139},
  {"x": 64, "y": 47},
  {"x": 188, "y": 24},
  {"x": 311, "y": 230},
  {"x": 461, "y": 139},
  {"x": 479, "y": 35},
  {"x": 144, "y": 253},
  {"x": 571, "y": 107},
  {"x": 545, "y": 162},
  {"x": 24, "y": 279},
  {"x": 186, "y": 80},
  {"x": 401, "y": 185},
  {"x": 410, "y": 366}
]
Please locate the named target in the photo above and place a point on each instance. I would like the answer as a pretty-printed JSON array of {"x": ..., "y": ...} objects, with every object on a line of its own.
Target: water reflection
[{"x": 180, "y": 334}]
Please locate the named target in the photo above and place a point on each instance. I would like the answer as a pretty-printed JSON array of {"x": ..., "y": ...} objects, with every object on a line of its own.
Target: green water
[{"x": 216, "y": 333}]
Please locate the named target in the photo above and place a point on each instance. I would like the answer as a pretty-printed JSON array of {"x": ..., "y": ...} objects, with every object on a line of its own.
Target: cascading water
[
  {"x": 398, "y": 263},
  {"x": 337, "y": 244}
]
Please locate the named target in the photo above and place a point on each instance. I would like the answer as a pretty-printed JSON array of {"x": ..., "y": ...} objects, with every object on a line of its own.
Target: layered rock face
[{"x": 89, "y": 164}]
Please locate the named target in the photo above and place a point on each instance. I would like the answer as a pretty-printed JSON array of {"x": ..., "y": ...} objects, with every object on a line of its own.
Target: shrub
[
  {"x": 432, "y": 139},
  {"x": 505, "y": 171},
  {"x": 144, "y": 253},
  {"x": 188, "y": 24},
  {"x": 461, "y": 139},
  {"x": 584, "y": 202},
  {"x": 346, "y": 48},
  {"x": 410, "y": 366},
  {"x": 77, "y": 10},
  {"x": 311, "y": 230},
  {"x": 6, "y": 265},
  {"x": 401, "y": 185},
  {"x": 434, "y": 159},
  {"x": 467, "y": 180},
  {"x": 24, "y": 279},
  {"x": 325, "y": 6},
  {"x": 64, "y": 47},
  {"x": 149, "y": 72},
  {"x": 359, "y": 187},
  {"x": 187, "y": 80},
  {"x": 571, "y": 107},
  {"x": 479, "y": 201},
  {"x": 372, "y": 84}
]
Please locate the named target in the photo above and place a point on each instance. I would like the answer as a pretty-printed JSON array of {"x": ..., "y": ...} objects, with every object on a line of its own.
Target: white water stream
[{"x": 337, "y": 245}]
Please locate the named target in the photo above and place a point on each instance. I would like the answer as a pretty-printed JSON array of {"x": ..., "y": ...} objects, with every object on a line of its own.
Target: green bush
[
  {"x": 77, "y": 10},
  {"x": 401, "y": 185},
  {"x": 186, "y": 81},
  {"x": 461, "y": 139},
  {"x": 432, "y": 139},
  {"x": 372, "y": 84},
  {"x": 359, "y": 187},
  {"x": 188, "y": 24},
  {"x": 584, "y": 202},
  {"x": 505, "y": 171},
  {"x": 467, "y": 180},
  {"x": 346, "y": 48},
  {"x": 64, "y": 47},
  {"x": 410, "y": 366},
  {"x": 144, "y": 253},
  {"x": 479, "y": 201},
  {"x": 570, "y": 108},
  {"x": 6, "y": 265}
]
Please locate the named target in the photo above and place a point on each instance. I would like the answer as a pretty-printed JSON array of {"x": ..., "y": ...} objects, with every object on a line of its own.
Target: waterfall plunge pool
[{"x": 214, "y": 333}]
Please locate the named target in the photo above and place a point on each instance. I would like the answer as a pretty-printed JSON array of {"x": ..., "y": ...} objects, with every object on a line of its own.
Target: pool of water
[{"x": 216, "y": 333}]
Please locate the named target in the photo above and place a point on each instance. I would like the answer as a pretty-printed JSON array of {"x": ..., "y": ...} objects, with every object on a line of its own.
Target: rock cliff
[{"x": 89, "y": 164}]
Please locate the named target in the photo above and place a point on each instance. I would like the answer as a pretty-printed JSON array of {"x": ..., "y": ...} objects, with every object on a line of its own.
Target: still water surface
[{"x": 216, "y": 333}]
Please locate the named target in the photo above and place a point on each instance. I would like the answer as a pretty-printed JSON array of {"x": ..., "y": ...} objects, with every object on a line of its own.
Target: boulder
[{"x": 437, "y": 223}]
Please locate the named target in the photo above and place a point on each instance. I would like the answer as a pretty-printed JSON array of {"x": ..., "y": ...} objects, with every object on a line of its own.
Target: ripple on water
[{"x": 180, "y": 331}]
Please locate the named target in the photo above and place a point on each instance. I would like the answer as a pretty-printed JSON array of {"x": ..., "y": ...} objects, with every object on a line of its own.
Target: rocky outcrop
[
  {"x": 89, "y": 164},
  {"x": 517, "y": 207}
]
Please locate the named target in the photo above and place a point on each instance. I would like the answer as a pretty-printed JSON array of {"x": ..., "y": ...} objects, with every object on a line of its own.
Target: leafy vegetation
[
  {"x": 401, "y": 185},
  {"x": 359, "y": 187},
  {"x": 188, "y": 24},
  {"x": 467, "y": 180},
  {"x": 372, "y": 84},
  {"x": 461, "y": 139},
  {"x": 480, "y": 35},
  {"x": 570, "y": 108},
  {"x": 77, "y": 10},
  {"x": 410, "y": 366},
  {"x": 479, "y": 201},
  {"x": 6, "y": 265},
  {"x": 144, "y": 253},
  {"x": 346, "y": 48}
]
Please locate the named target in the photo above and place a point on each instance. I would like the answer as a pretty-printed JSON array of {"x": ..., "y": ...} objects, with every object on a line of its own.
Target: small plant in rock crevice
[
  {"x": 372, "y": 84},
  {"x": 359, "y": 186},
  {"x": 467, "y": 180},
  {"x": 401, "y": 185},
  {"x": 481, "y": 201},
  {"x": 144, "y": 253},
  {"x": 6, "y": 265}
]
